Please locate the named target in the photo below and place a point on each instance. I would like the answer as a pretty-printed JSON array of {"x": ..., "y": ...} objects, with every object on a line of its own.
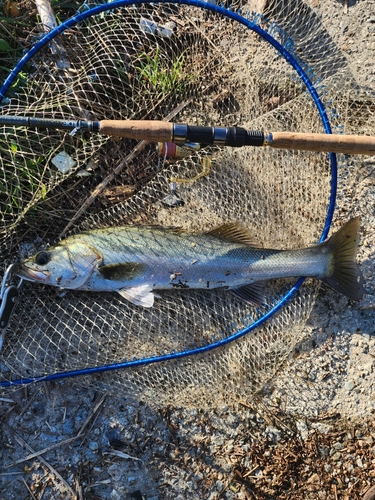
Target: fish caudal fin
[{"x": 344, "y": 273}]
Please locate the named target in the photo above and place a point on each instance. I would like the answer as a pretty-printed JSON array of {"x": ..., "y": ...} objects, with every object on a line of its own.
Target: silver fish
[{"x": 136, "y": 261}]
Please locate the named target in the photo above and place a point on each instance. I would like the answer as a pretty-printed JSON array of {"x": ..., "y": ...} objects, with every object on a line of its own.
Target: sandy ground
[{"x": 309, "y": 435}]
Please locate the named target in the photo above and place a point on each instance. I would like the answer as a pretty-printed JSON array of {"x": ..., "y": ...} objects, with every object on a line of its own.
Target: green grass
[{"x": 163, "y": 76}]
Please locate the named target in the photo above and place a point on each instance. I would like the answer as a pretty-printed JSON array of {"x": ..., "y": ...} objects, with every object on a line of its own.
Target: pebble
[
  {"x": 336, "y": 456},
  {"x": 349, "y": 467},
  {"x": 115, "y": 495},
  {"x": 338, "y": 446},
  {"x": 219, "y": 485},
  {"x": 322, "y": 428},
  {"x": 302, "y": 429},
  {"x": 115, "y": 472},
  {"x": 349, "y": 385},
  {"x": 68, "y": 427},
  {"x": 91, "y": 456},
  {"x": 273, "y": 433},
  {"x": 93, "y": 445}
]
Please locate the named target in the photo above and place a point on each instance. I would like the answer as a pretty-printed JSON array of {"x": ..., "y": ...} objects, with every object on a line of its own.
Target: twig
[
  {"x": 28, "y": 489},
  {"x": 79, "y": 490},
  {"x": 334, "y": 491},
  {"x": 7, "y": 400},
  {"x": 48, "y": 20},
  {"x": 26, "y": 407},
  {"x": 10, "y": 473},
  {"x": 98, "y": 483},
  {"x": 95, "y": 409},
  {"x": 121, "y": 454},
  {"x": 43, "y": 489},
  {"x": 35, "y": 454},
  {"x": 23, "y": 443}
]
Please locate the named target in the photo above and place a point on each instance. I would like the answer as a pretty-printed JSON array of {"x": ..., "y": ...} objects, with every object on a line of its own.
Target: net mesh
[{"x": 155, "y": 61}]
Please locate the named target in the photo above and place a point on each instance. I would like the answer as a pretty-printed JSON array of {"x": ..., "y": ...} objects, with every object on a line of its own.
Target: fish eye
[{"x": 42, "y": 258}]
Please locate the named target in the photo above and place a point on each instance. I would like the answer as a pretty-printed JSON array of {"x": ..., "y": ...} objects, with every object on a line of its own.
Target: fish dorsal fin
[
  {"x": 234, "y": 232},
  {"x": 126, "y": 271}
]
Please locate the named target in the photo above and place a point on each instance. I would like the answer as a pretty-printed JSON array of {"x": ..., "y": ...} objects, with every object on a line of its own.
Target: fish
[{"x": 139, "y": 261}]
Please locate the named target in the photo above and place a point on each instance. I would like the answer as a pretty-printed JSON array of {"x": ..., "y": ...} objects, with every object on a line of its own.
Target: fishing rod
[{"x": 162, "y": 131}]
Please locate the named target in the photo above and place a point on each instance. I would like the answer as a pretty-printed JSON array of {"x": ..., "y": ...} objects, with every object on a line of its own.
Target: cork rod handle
[
  {"x": 150, "y": 130},
  {"x": 335, "y": 143}
]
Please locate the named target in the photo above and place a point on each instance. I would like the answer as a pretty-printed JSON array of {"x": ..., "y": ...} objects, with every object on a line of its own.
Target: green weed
[{"x": 162, "y": 75}]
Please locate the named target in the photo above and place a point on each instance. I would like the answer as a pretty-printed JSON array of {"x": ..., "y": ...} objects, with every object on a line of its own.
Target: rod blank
[{"x": 162, "y": 131}]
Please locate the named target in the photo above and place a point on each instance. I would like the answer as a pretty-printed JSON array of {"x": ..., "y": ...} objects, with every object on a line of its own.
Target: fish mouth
[{"x": 25, "y": 272}]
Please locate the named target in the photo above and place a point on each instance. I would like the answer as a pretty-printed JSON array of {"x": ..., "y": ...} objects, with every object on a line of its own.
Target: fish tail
[{"x": 344, "y": 274}]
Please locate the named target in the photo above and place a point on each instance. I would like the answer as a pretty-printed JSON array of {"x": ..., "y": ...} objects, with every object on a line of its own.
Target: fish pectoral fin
[
  {"x": 125, "y": 271},
  {"x": 251, "y": 294},
  {"x": 139, "y": 295},
  {"x": 234, "y": 232}
]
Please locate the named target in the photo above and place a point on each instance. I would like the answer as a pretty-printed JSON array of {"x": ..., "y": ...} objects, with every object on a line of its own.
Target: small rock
[
  {"x": 219, "y": 485},
  {"x": 93, "y": 445},
  {"x": 217, "y": 440},
  {"x": 68, "y": 427},
  {"x": 115, "y": 495},
  {"x": 313, "y": 479},
  {"x": 91, "y": 456},
  {"x": 336, "y": 456},
  {"x": 349, "y": 467},
  {"x": 322, "y": 428},
  {"x": 359, "y": 462},
  {"x": 338, "y": 446},
  {"x": 272, "y": 433},
  {"x": 246, "y": 447},
  {"x": 115, "y": 472},
  {"x": 302, "y": 429},
  {"x": 349, "y": 385}
]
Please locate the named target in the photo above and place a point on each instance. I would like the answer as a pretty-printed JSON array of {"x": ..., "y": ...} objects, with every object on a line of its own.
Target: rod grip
[
  {"x": 334, "y": 143},
  {"x": 150, "y": 130}
]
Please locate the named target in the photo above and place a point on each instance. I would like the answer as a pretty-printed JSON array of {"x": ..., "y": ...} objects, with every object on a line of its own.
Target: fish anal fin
[
  {"x": 234, "y": 232},
  {"x": 125, "y": 271},
  {"x": 251, "y": 294},
  {"x": 138, "y": 295}
]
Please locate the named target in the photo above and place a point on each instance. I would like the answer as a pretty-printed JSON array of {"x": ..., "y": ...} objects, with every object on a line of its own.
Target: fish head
[{"x": 64, "y": 265}]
